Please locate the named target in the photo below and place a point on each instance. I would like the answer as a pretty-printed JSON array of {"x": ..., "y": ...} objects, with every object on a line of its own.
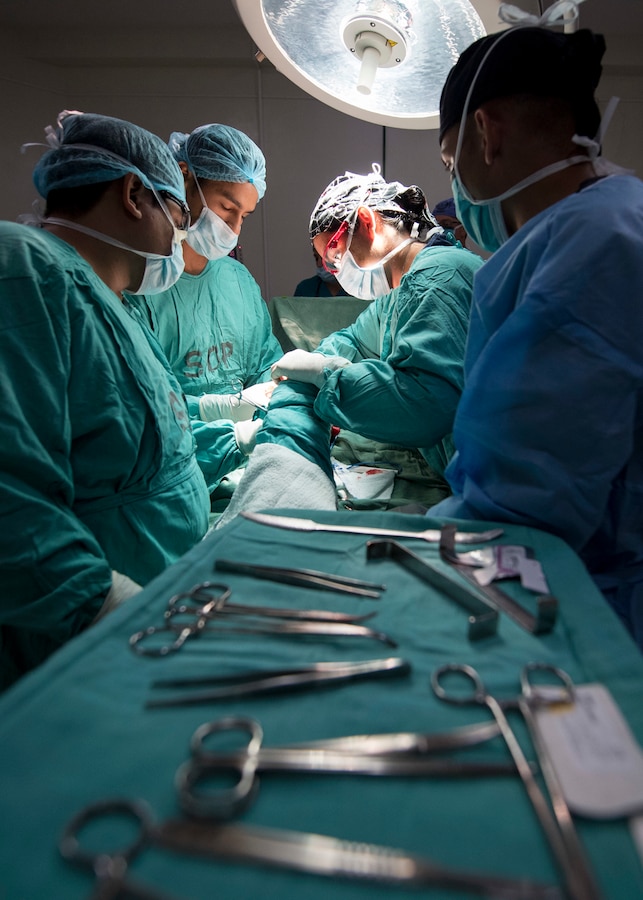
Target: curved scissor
[{"x": 199, "y": 780}]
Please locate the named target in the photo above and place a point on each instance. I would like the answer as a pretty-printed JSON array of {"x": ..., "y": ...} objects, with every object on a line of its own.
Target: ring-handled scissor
[{"x": 199, "y": 779}]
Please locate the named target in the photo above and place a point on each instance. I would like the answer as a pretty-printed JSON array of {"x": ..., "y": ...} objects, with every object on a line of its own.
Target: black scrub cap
[{"x": 528, "y": 60}]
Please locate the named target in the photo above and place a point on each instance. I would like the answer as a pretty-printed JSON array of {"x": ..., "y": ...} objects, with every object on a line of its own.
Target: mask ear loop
[{"x": 465, "y": 110}]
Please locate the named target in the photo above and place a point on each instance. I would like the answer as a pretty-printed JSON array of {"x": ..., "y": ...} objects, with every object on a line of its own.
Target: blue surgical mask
[
  {"x": 160, "y": 273},
  {"x": 484, "y": 223},
  {"x": 210, "y": 236},
  {"x": 483, "y": 219}
]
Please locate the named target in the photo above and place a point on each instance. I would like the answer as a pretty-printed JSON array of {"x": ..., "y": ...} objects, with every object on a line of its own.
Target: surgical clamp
[
  {"x": 558, "y": 828},
  {"x": 483, "y": 619},
  {"x": 546, "y": 605},
  {"x": 228, "y": 617}
]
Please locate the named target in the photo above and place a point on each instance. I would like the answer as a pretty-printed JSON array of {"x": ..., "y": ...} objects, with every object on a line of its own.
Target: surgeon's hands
[
  {"x": 224, "y": 406},
  {"x": 300, "y": 365},
  {"x": 245, "y": 434},
  {"x": 121, "y": 590}
]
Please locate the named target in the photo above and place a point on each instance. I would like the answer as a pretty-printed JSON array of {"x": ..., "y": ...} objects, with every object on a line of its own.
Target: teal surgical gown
[
  {"x": 216, "y": 332},
  {"x": 97, "y": 457},
  {"x": 549, "y": 431},
  {"x": 407, "y": 350}
]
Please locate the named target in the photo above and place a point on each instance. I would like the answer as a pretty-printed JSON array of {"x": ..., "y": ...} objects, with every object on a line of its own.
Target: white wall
[{"x": 176, "y": 81}]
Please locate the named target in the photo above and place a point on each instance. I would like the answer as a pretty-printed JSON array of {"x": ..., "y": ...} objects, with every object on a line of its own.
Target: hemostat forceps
[
  {"x": 183, "y": 622},
  {"x": 558, "y": 828}
]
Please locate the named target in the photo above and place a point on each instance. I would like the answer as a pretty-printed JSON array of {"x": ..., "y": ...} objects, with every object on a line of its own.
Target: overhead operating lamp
[{"x": 383, "y": 61}]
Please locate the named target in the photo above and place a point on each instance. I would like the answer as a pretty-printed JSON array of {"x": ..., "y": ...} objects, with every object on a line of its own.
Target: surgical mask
[
  {"x": 210, "y": 236},
  {"x": 161, "y": 272},
  {"x": 484, "y": 219},
  {"x": 366, "y": 283},
  {"x": 328, "y": 277}
]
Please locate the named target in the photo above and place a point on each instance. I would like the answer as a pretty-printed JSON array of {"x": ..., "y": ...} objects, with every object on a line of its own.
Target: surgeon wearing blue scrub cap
[
  {"x": 99, "y": 485},
  {"x": 87, "y": 149},
  {"x": 549, "y": 429},
  {"x": 213, "y": 324}
]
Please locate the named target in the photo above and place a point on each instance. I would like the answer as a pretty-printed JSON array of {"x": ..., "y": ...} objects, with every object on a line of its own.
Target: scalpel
[
  {"x": 432, "y": 535},
  {"x": 322, "y": 855}
]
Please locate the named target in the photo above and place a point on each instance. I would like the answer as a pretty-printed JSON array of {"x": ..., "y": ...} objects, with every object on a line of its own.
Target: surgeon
[
  {"x": 395, "y": 376},
  {"x": 549, "y": 430},
  {"x": 445, "y": 215},
  {"x": 213, "y": 323},
  {"x": 99, "y": 486}
]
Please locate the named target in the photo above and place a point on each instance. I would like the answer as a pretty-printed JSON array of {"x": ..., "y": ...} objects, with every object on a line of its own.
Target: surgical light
[{"x": 383, "y": 61}]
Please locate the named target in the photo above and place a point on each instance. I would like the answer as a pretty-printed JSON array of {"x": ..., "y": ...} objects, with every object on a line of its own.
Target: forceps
[
  {"x": 316, "y": 854},
  {"x": 214, "y": 610},
  {"x": 275, "y": 681},
  {"x": 303, "y": 578},
  {"x": 220, "y": 803},
  {"x": 558, "y": 828}
]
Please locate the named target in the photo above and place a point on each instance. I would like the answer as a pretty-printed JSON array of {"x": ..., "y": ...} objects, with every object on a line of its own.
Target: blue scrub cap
[
  {"x": 221, "y": 153},
  {"x": 87, "y": 148},
  {"x": 445, "y": 208}
]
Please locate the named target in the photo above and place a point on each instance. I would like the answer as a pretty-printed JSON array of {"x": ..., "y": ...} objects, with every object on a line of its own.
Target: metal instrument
[
  {"x": 213, "y": 613},
  {"x": 201, "y": 796},
  {"x": 277, "y": 848},
  {"x": 432, "y": 535},
  {"x": 303, "y": 578},
  {"x": 275, "y": 681},
  {"x": 546, "y": 605},
  {"x": 482, "y": 620},
  {"x": 558, "y": 827}
]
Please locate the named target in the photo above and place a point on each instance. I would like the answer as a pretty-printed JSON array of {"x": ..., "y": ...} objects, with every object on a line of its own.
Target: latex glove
[
  {"x": 121, "y": 590},
  {"x": 245, "y": 434},
  {"x": 300, "y": 365},
  {"x": 224, "y": 406}
]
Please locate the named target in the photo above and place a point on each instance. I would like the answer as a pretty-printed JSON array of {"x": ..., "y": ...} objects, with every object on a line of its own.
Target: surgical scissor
[
  {"x": 212, "y": 611},
  {"x": 200, "y": 799},
  {"x": 558, "y": 828},
  {"x": 316, "y": 854}
]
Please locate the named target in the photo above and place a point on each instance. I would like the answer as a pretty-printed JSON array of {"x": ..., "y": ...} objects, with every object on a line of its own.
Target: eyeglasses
[
  {"x": 331, "y": 259},
  {"x": 183, "y": 207}
]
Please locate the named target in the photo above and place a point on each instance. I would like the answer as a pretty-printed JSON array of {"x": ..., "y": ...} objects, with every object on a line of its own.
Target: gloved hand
[
  {"x": 300, "y": 365},
  {"x": 245, "y": 434},
  {"x": 224, "y": 406},
  {"x": 122, "y": 589}
]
